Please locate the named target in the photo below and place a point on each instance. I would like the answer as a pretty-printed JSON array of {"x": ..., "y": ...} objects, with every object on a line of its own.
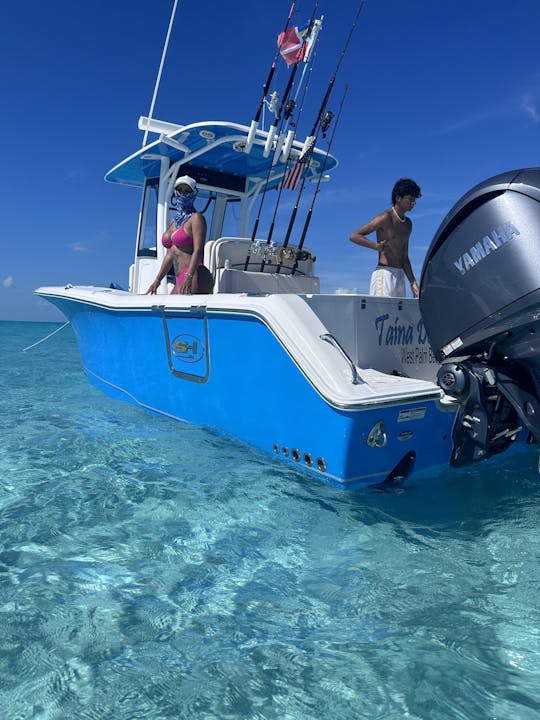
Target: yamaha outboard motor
[{"x": 480, "y": 302}]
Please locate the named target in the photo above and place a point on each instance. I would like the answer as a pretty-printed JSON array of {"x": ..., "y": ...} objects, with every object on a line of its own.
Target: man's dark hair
[{"x": 405, "y": 186}]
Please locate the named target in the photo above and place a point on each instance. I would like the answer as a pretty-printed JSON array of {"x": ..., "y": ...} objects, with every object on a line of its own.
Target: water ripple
[{"x": 152, "y": 570}]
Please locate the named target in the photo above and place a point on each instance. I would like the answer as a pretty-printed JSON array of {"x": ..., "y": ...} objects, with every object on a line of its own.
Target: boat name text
[
  {"x": 412, "y": 339},
  {"x": 397, "y": 333}
]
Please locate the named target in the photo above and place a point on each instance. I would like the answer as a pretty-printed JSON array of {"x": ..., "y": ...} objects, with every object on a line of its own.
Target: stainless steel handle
[{"x": 327, "y": 337}]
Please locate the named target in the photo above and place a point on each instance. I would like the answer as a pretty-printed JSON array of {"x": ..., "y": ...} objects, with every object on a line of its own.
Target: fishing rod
[
  {"x": 303, "y": 159},
  {"x": 276, "y": 155},
  {"x": 284, "y": 100},
  {"x": 266, "y": 86},
  {"x": 299, "y": 255},
  {"x": 306, "y": 47},
  {"x": 284, "y": 144},
  {"x": 286, "y": 153},
  {"x": 333, "y": 79},
  {"x": 309, "y": 143}
]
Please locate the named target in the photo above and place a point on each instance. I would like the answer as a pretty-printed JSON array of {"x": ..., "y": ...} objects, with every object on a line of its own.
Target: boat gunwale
[{"x": 433, "y": 393}]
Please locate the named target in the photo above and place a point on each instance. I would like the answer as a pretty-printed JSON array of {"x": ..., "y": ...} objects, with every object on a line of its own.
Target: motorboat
[{"x": 352, "y": 389}]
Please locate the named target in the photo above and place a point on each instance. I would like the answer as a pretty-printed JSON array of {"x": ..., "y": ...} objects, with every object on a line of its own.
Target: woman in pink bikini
[{"x": 184, "y": 240}]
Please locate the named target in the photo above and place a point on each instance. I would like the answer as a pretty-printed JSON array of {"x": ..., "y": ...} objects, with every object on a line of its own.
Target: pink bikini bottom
[{"x": 180, "y": 278}]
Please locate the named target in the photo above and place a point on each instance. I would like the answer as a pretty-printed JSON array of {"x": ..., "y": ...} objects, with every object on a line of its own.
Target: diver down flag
[{"x": 292, "y": 45}]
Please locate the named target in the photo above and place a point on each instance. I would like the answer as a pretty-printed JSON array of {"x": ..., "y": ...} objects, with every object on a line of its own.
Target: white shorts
[{"x": 388, "y": 282}]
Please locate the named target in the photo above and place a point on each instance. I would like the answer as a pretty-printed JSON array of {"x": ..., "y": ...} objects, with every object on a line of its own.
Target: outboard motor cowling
[{"x": 480, "y": 302}]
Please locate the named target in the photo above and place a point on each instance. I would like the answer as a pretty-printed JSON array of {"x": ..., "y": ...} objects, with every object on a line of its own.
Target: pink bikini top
[{"x": 179, "y": 239}]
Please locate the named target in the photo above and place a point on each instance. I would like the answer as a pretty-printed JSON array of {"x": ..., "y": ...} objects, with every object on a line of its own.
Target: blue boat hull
[{"x": 228, "y": 372}]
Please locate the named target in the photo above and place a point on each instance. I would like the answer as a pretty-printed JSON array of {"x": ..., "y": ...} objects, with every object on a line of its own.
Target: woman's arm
[{"x": 163, "y": 270}]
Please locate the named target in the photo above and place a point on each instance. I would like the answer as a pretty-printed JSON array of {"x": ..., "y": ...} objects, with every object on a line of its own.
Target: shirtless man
[{"x": 393, "y": 230}]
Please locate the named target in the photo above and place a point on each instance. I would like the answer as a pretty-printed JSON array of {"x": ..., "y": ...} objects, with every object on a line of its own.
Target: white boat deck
[{"x": 296, "y": 326}]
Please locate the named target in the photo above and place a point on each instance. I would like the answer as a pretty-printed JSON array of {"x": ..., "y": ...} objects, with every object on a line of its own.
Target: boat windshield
[
  {"x": 231, "y": 219},
  {"x": 146, "y": 245}
]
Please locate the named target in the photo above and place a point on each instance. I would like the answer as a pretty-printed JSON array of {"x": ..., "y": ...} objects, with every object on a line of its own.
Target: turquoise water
[{"x": 151, "y": 570}]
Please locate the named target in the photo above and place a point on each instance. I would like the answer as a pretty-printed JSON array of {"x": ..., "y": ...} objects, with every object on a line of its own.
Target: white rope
[
  {"x": 46, "y": 338},
  {"x": 158, "y": 79}
]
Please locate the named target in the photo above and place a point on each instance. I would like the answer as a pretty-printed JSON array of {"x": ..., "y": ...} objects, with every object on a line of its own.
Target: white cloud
[
  {"x": 8, "y": 281},
  {"x": 346, "y": 291},
  {"x": 530, "y": 109},
  {"x": 73, "y": 175},
  {"x": 525, "y": 102},
  {"x": 77, "y": 247},
  {"x": 467, "y": 121}
]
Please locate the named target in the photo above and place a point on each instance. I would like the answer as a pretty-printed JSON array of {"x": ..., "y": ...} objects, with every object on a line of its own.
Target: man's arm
[
  {"x": 407, "y": 268},
  {"x": 359, "y": 236}
]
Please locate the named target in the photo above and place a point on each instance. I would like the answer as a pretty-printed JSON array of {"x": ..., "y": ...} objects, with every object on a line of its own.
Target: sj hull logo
[{"x": 187, "y": 348}]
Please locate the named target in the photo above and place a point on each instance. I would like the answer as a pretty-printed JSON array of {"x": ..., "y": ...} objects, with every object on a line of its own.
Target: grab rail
[{"x": 327, "y": 337}]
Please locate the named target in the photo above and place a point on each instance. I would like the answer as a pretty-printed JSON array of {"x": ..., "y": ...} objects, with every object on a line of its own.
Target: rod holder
[
  {"x": 251, "y": 136},
  {"x": 269, "y": 140}
]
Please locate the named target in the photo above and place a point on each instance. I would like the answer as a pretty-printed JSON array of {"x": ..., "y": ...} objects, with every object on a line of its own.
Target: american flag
[{"x": 294, "y": 173}]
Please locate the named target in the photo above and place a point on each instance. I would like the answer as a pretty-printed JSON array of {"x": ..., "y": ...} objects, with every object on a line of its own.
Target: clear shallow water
[{"x": 151, "y": 570}]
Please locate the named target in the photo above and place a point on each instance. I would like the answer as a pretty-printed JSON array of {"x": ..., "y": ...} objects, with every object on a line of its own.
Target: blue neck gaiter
[{"x": 184, "y": 205}]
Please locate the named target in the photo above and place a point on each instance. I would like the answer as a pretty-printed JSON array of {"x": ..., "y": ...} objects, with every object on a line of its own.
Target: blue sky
[{"x": 445, "y": 93}]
